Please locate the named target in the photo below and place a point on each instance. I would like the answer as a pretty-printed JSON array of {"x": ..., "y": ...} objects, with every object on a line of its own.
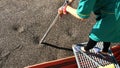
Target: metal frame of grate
[{"x": 84, "y": 62}]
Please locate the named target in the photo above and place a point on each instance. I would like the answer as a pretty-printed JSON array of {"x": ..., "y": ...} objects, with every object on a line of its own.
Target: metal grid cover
[{"x": 84, "y": 62}]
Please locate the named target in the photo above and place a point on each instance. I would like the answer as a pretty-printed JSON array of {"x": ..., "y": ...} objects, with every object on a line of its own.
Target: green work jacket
[{"x": 107, "y": 26}]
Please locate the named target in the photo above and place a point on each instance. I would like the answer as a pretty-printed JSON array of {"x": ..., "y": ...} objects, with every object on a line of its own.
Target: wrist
[{"x": 67, "y": 8}]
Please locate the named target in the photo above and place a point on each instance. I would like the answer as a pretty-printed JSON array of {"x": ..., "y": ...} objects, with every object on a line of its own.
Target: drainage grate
[{"x": 84, "y": 62}]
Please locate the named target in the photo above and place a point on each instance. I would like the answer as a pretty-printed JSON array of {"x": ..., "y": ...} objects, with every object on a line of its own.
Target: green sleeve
[
  {"x": 117, "y": 10},
  {"x": 85, "y": 7}
]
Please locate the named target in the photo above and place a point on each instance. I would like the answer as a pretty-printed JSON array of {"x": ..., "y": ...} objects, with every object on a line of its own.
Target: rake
[{"x": 54, "y": 21}]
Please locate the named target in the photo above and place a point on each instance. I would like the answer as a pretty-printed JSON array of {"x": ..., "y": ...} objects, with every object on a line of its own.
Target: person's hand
[{"x": 62, "y": 10}]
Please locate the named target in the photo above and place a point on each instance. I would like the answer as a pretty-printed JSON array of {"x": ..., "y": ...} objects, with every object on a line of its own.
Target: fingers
[{"x": 62, "y": 10}]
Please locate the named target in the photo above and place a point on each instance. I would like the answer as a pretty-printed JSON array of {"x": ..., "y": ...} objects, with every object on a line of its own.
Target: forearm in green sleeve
[{"x": 85, "y": 7}]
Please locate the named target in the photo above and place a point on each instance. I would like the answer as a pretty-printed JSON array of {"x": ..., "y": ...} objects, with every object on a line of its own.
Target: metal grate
[{"x": 84, "y": 62}]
